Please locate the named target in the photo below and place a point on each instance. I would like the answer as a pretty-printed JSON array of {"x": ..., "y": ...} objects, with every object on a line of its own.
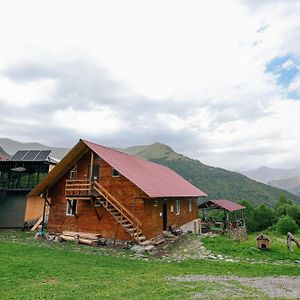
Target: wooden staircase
[
  {"x": 88, "y": 189},
  {"x": 120, "y": 213}
]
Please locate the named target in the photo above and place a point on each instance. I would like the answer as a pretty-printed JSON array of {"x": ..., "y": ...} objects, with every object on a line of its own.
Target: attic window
[{"x": 115, "y": 173}]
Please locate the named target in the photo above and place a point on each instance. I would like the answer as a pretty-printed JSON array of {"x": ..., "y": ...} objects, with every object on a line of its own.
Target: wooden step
[{"x": 128, "y": 225}]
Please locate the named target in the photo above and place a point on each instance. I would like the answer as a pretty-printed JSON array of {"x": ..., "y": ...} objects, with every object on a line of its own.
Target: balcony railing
[{"x": 78, "y": 188}]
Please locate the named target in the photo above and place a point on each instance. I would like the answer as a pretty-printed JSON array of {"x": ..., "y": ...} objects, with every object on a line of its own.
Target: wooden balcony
[{"x": 78, "y": 188}]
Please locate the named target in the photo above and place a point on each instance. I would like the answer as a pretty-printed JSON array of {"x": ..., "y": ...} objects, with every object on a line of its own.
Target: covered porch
[{"x": 221, "y": 215}]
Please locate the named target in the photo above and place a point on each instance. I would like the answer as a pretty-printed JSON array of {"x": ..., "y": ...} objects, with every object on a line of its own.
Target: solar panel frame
[
  {"x": 43, "y": 155},
  {"x": 31, "y": 155},
  {"x": 19, "y": 155}
]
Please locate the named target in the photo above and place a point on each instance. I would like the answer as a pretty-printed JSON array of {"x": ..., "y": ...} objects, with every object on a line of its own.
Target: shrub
[{"x": 286, "y": 224}]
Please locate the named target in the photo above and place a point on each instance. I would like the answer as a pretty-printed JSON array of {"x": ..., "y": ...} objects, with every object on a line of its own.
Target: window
[
  {"x": 190, "y": 205},
  {"x": 177, "y": 203},
  {"x": 73, "y": 172},
  {"x": 155, "y": 203},
  {"x": 70, "y": 211},
  {"x": 115, "y": 173},
  {"x": 96, "y": 171}
]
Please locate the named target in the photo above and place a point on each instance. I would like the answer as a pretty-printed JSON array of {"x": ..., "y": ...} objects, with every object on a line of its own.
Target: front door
[{"x": 165, "y": 215}]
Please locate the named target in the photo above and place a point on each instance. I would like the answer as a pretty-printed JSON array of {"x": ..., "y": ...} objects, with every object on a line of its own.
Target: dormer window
[{"x": 115, "y": 173}]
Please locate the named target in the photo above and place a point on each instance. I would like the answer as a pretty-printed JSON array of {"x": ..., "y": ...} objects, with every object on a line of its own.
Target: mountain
[
  {"x": 11, "y": 147},
  {"x": 216, "y": 182},
  {"x": 291, "y": 184},
  {"x": 266, "y": 174}
]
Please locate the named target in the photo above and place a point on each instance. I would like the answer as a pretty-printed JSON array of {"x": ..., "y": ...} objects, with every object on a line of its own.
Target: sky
[{"x": 216, "y": 80}]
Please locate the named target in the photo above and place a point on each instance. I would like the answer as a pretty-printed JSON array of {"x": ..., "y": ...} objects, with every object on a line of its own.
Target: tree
[
  {"x": 294, "y": 212},
  {"x": 249, "y": 216},
  {"x": 264, "y": 217},
  {"x": 286, "y": 224},
  {"x": 282, "y": 200}
]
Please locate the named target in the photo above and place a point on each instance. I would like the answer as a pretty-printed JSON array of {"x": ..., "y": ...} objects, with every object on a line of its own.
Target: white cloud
[
  {"x": 197, "y": 67},
  {"x": 99, "y": 121}
]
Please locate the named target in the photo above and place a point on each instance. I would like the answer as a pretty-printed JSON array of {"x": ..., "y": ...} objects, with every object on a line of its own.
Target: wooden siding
[
  {"x": 153, "y": 215},
  {"x": 125, "y": 192},
  {"x": 34, "y": 208},
  {"x": 120, "y": 187}
]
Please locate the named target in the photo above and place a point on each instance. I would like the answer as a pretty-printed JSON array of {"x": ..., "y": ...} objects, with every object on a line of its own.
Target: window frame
[
  {"x": 112, "y": 173},
  {"x": 69, "y": 208},
  {"x": 177, "y": 206}
]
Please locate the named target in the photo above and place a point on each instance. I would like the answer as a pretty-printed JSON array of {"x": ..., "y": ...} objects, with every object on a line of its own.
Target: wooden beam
[{"x": 92, "y": 164}]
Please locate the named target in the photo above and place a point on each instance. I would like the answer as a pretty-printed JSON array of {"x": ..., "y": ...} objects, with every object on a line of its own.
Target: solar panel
[
  {"x": 31, "y": 155},
  {"x": 42, "y": 156},
  {"x": 19, "y": 155}
]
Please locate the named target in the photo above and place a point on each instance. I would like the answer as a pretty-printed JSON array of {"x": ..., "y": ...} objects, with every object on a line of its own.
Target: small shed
[
  {"x": 263, "y": 242},
  {"x": 227, "y": 206}
]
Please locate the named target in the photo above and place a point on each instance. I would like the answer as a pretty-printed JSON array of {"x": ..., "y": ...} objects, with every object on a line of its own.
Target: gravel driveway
[{"x": 282, "y": 286}]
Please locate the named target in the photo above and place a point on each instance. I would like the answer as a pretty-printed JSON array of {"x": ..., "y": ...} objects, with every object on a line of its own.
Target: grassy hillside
[
  {"x": 37, "y": 269},
  {"x": 291, "y": 184},
  {"x": 216, "y": 182}
]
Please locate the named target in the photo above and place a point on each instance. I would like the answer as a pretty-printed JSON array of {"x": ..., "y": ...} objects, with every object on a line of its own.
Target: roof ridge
[{"x": 130, "y": 155}]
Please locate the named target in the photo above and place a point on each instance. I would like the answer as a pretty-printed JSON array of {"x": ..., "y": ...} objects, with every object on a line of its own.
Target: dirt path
[{"x": 283, "y": 286}]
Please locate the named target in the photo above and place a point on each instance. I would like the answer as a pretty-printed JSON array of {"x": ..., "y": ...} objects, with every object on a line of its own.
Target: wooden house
[
  {"x": 18, "y": 175},
  {"x": 101, "y": 190}
]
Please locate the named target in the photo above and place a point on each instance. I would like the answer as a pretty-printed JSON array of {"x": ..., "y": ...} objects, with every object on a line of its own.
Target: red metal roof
[
  {"x": 154, "y": 179},
  {"x": 3, "y": 157},
  {"x": 228, "y": 205}
]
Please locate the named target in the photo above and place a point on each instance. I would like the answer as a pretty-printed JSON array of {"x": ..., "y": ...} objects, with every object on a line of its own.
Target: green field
[
  {"x": 248, "y": 250},
  {"x": 32, "y": 269}
]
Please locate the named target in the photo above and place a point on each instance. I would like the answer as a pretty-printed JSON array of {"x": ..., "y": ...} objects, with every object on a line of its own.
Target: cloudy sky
[{"x": 216, "y": 80}]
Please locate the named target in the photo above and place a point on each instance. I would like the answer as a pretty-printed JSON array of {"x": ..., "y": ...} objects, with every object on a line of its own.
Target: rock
[
  {"x": 137, "y": 249},
  {"x": 149, "y": 248}
]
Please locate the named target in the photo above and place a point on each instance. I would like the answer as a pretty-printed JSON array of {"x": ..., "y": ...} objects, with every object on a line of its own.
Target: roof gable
[{"x": 154, "y": 179}]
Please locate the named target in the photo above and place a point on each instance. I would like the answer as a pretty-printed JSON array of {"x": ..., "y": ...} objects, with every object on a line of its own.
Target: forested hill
[{"x": 216, "y": 182}]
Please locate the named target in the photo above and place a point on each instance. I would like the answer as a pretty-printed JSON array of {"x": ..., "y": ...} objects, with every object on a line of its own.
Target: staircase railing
[{"x": 126, "y": 213}]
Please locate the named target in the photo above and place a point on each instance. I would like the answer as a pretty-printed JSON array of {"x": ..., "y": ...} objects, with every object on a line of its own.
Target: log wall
[
  {"x": 86, "y": 221},
  {"x": 125, "y": 192}
]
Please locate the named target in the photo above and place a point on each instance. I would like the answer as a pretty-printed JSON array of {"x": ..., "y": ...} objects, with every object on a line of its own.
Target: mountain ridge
[
  {"x": 216, "y": 182},
  {"x": 11, "y": 147}
]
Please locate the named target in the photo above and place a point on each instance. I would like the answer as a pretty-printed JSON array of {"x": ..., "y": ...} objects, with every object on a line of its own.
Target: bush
[{"x": 286, "y": 224}]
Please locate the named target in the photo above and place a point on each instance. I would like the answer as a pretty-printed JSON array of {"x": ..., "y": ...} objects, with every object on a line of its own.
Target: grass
[
  {"x": 32, "y": 269},
  {"x": 247, "y": 249}
]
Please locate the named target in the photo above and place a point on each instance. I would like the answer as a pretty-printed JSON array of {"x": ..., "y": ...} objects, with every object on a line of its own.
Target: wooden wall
[
  {"x": 120, "y": 187},
  {"x": 34, "y": 208},
  {"x": 123, "y": 190},
  {"x": 153, "y": 216}
]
